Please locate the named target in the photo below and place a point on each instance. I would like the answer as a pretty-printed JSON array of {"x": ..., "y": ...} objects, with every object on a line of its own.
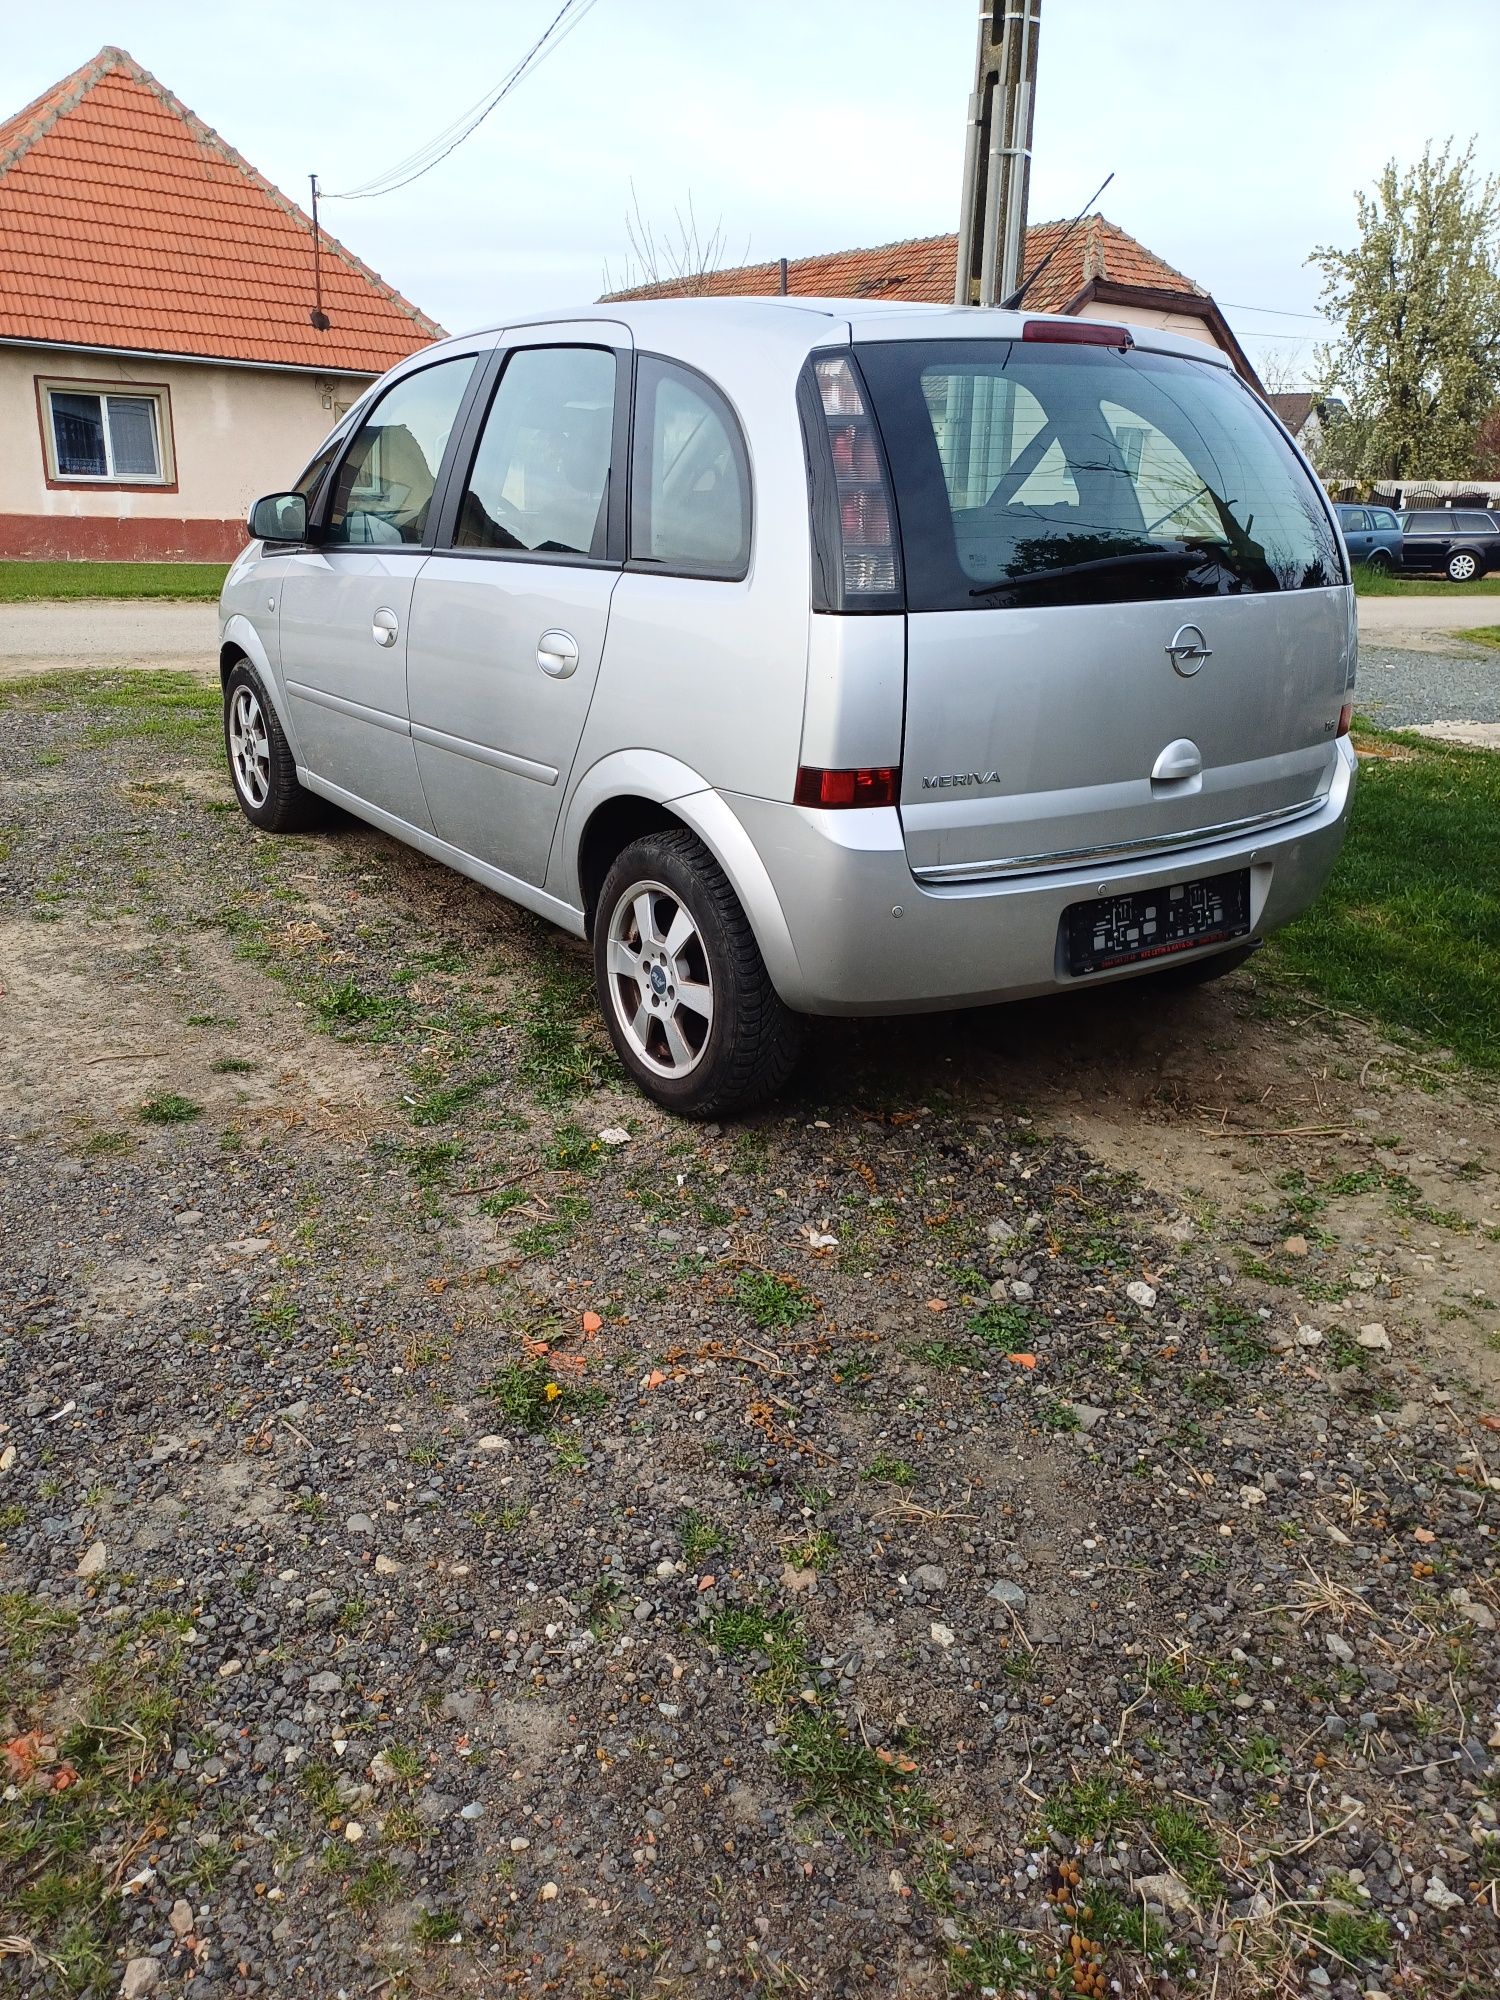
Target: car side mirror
[{"x": 279, "y": 517}]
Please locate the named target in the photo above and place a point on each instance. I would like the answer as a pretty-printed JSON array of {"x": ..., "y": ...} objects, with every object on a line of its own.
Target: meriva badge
[{"x": 952, "y": 778}]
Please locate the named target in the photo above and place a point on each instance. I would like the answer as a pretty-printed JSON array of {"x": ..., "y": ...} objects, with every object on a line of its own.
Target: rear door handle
[
  {"x": 384, "y": 626},
  {"x": 557, "y": 654}
]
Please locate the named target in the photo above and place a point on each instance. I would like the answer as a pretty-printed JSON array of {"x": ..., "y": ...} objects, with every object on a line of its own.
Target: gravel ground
[
  {"x": 991, "y": 1523},
  {"x": 1397, "y": 689}
]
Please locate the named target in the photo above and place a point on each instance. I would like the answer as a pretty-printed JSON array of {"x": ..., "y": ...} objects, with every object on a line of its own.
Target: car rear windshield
[{"x": 1034, "y": 473}]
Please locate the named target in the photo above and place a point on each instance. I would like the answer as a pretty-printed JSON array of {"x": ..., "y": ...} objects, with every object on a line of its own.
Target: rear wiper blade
[{"x": 1178, "y": 558}]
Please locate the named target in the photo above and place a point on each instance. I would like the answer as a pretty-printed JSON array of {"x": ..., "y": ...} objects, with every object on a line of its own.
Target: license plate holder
[{"x": 1111, "y": 931}]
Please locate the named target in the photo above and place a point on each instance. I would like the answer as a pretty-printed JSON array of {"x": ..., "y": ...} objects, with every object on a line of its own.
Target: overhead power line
[{"x": 437, "y": 149}]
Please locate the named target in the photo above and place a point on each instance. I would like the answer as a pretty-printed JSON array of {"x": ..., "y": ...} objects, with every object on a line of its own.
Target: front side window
[
  {"x": 1028, "y": 472},
  {"x": 1355, "y": 518},
  {"x": 99, "y": 435},
  {"x": 690, "y": 479},
  {"x": 384, "y": 488},
  {"x": 540, "y": 479}
]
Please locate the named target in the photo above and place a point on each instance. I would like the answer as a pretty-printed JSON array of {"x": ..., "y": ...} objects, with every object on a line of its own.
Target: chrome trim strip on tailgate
[{"x": 1080, "y": 857}]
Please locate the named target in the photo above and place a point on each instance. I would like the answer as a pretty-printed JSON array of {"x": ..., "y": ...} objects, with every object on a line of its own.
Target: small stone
[
  {"x": 999, "y": 1231},
  {"x": 7, "y": 1458},
  {"x": 181, "y": 1917},
  {"x": 1007, "y": 1593},
  {"x": 92, "y": 1563},
  {"x": 360, "y": 1524},
  {"x": 614, "y": 1135},
  {"x": 387, "y": 1566},
  {"x": 493, "y": 1443},
  {"x": 353, "y": 1831},
  {"x": 1309, "y": 1336},
  {"x": 929, "y": 1576},
  {"x": 1375, "y": 1338},
  {"x": 1088, "y": 1415},
  {"x": 942, "y": 1635},
  {"x": 1295, "y": 1246},
  {"x": 382, "y": 1770},
  {"x": 324, "y": 1683},
  {"x": 1167, "y": 1891},
  {"x": 1021, "y": 1292},
  {"x": 473, "y": 1810},
  {"x": 141, "y": 1975},
  {"x": 1340, "y": 1648},
  {"x": 1466, "y": 1607},
  {"x": 519, "y": 1844},
  {"x": 1141, "y": 1294},
  {"x": 548, "y": 1892},
  {"x": 229, "y": 1669},
  {"x": 1439, "y": 1895}
]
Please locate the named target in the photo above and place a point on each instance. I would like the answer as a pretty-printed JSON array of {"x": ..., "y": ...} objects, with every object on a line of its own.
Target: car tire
[
  {"x": 1464, "y": 566},
  {"x": 262, "y": 768},
  {"x": 1380, "y": 561},
  {"x": 683, "y": 988}
]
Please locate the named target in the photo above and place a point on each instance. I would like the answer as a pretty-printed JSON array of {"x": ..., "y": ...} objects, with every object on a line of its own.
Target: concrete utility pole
[{"x": 997, "y": 155}]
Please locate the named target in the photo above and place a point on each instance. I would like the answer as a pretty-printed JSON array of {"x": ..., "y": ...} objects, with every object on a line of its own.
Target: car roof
[{"x": 803, "y": 323}]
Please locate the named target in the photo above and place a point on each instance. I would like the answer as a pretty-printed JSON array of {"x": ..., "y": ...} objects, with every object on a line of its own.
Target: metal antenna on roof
[
  {"x": 318, "y": 317},
  {"x": 1010, "y": 304}
]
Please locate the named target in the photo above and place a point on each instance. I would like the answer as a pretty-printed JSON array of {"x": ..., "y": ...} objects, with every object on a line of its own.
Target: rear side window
[
  {"x": 690, "y": 479},
  {"x": 384, "y": 487},
  {"x": 540, "y": 480},
  {"x": 1033, "y": 473},
  {"x": 1381, "y": 517},
  {"x": 1475, "y": 524}
]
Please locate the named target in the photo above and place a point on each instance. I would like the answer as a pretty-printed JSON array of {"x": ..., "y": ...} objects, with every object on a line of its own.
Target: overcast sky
[{"x": 1237, "y": 133}]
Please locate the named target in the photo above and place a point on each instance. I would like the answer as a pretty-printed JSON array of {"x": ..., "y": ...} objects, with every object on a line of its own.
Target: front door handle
[
  {"x": 557, "y": 654},
  {"x": 384, "y": 626}
]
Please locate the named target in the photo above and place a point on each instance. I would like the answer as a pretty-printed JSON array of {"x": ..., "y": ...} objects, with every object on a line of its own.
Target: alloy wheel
[
  {"x": 660, "y": 984},
  {"x": 1462, "y": 568},
  {"x": 249, "y": 746}
]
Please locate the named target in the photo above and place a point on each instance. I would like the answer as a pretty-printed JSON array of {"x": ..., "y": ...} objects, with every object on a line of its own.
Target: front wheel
[
  {"x": 686, "y": 996},
  {"x": 1463, "y": 566}
]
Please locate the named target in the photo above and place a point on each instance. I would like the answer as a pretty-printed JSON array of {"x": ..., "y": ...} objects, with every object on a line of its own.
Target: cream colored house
[{"x": 160, "y": 362}]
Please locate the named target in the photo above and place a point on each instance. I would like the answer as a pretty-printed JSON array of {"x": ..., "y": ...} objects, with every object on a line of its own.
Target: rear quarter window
[{"x": 1034, "y": 473}]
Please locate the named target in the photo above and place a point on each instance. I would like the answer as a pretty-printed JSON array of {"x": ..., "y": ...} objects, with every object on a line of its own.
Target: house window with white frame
[{"x": 106, "y": 436}]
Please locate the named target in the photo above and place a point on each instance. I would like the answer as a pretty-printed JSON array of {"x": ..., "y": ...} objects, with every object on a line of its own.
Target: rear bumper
[{"x": 870, "y": 939}]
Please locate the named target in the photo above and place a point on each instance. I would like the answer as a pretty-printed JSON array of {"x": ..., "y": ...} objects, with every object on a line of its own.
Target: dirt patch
[{"x": 95, "y": 1019}]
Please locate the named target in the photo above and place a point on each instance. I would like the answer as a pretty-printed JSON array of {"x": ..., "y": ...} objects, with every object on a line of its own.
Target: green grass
[
  {"x": 169, "y": 1109},
  {"x": 1376, "y": 583},
  {"x": 530, "y": 1400},
  {"x": 1408, "y": 930},
  {"x": 170, "y": 707},
  {"x": 775, "y": 1304},
  {"x": 201, "y": 582},
  {"x": 1481, "y": 635}
]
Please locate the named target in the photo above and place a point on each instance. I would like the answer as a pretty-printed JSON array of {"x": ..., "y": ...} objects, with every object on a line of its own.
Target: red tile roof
[
  {"x": 126, "y": 222},
  {"x": 923, "y": 268}
]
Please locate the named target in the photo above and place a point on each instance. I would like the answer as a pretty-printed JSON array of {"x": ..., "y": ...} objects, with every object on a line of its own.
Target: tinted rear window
[
  {"x": 1475, "y": 524},
  {"x": 1029, "y": 473},
  {"x": 1429, "y": 524}
]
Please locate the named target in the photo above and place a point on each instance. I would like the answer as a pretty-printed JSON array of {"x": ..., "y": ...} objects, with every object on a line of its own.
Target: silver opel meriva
[{"x": 813, "y": 656}]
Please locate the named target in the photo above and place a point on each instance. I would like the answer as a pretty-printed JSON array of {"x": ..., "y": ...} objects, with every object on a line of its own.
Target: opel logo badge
[{"x": 1188, "y": 650}]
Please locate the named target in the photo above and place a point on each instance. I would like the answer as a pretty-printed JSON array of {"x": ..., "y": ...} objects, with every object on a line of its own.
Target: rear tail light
[
  {"x": 1077, "y": 333},
  {"x": 1346, "y": 717},
  {"x": 878, "y": 786},
  {"x": 866, "y": 522}
]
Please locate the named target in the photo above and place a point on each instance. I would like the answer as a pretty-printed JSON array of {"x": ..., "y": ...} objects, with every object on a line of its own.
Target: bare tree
[
  {"x": 681, "y": 254},
  {"x": 1280, "y": 371}
]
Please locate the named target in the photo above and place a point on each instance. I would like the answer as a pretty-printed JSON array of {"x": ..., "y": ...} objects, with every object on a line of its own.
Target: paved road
[
  {"x": 114, "y": 633},
  {"x": 1423, "y": 622}
]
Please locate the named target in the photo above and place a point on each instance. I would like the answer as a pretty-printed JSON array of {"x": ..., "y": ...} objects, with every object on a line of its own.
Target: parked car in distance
[
  {"x": 1372, "y": 535},
  {"x": 1461, "y": 543},
  {"x": 813, "y": 657}
]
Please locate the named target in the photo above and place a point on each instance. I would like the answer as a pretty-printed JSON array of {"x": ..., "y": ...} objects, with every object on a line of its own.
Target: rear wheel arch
[{"x": 610, "y": 829}]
